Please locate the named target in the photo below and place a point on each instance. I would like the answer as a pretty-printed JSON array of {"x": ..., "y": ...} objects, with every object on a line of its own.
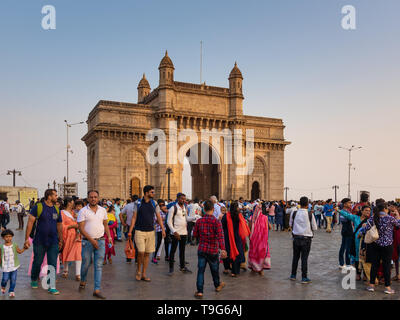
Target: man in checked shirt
[{"x": 209, "y": 232}]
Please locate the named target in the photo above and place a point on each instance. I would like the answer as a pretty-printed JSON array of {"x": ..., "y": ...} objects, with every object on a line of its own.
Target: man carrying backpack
[
  {"x": 177, "y": 223},
  {"x": 4, "y": 214},
  {"x": 303, "y": 223},
  {"x": 47, "y": 237},
  {"x": 143, "y": 222},
  {"x": 20, "y": 213}
]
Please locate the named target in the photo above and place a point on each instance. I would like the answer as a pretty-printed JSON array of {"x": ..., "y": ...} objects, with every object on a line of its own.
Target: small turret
[
  {"x": 143, "y": 88},
  {"x": 166, "y": 68},
  {"x": 235, "y": 91}
]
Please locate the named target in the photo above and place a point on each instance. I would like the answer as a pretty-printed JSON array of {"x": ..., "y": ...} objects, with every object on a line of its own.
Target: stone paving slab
[{"x": 119, "y": 282}]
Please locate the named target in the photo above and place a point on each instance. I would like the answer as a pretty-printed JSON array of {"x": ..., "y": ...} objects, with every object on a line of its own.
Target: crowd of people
[{"x": 235, "y": 234}]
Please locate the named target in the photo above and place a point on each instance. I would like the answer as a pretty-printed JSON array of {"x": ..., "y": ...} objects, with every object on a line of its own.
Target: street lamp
[
  {"x": 350, "y": 164},
  {"x": 169, "y": 171},
  {"x": 69, "y": 125},
  {"x": 14, "y": 173}
]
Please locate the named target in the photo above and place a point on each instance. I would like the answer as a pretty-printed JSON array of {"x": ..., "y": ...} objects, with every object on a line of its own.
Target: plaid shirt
[{"x": 209, "y": 232}]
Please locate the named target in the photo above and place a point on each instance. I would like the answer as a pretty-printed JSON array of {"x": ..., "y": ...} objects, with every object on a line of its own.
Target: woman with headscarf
[
  {"x": 259, "y": 254},
  {"x": 236, "y": 231}
]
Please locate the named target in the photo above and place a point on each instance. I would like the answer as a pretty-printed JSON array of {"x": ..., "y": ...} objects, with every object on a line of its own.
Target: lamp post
[
  {"x": 336, "y": 188},
  {"x": 350, "y": 165},
  {"x": 69, "y": 125},
  {"x": 286, "y": 190},
  {"x": 168, "y": 172},
  {"x": 14, "y": 173}
]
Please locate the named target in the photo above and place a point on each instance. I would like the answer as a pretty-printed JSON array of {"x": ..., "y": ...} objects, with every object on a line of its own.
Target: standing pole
[
  {"x": 169, "y": 171},
  {"x": 350, "y": 165},
  {"x": 348, "y": 187},
  {"x": 286, "y": 190},
  {"x": 201, "y": 61},
  {"x": 69, "y": 125},
  {"x": 335, "y": 187}
]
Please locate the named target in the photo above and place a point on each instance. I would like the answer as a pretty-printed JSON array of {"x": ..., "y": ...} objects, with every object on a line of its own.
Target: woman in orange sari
[
  {"x": 259, "y": 255},
  {"x": 72, "y": 250},
  {"x": 236, "y": 231}
]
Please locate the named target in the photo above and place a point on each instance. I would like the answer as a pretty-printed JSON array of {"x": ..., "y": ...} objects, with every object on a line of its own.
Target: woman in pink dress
[
  {"x": 72, "y": 250},
  {"x": 259, "y": 255},
  {"x": 112, "y": 225}
]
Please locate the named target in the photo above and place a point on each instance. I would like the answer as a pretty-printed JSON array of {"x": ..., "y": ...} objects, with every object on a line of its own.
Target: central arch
[{"x": 205, "y": 175}]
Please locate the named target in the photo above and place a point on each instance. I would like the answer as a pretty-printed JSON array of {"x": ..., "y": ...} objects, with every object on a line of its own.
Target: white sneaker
[{"x": 342, "y": 267}]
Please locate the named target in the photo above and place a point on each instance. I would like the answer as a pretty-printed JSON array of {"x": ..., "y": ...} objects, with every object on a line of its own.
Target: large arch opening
[
  {"x": 255, "y": 191},
  {"x": 135, "y": 187},
  {"x": 201, "y": 173}
]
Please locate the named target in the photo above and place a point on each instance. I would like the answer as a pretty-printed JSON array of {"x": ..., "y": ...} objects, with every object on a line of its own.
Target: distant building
[{"x": 23, "y": 194}]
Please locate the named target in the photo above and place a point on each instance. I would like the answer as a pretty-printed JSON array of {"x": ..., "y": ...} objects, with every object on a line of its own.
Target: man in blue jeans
[
  {"x": 47, "y": 237},
  {"x": 92, "y": 222},
  {"x": 211, "y": 238}
]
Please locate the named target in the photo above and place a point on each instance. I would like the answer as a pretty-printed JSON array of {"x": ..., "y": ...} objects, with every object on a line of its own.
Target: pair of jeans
[
  {"x": 345, "y": 249},
  {"x": 5, "y": 219},
  {"x": 213, "y": 261},
  {"x": 301, "y": 248},
  {"x": 190, "y": 227},
  {"x": 271, "y": 219},
  {"x": 379, "y": 253},
  {"x": 20, "y": 220},
  {"x": 318, "y": 220},
  {"x": 98, "y": 255},
  {"x": 39, "y": 251},
  {"x": 119, "y": 231},
  {"x": 158, "y": 243},
  {"x": 182, "y": 246},
  {"x": 9, "y": 276}
]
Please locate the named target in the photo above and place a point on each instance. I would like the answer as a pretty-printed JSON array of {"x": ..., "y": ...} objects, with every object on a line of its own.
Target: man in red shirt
[
  {"x": 363, "y": 202},
  {"x": 209, "y": 232}
]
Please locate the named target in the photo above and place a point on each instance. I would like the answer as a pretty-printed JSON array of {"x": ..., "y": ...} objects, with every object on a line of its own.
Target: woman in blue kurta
[{"x": 357, "y": 220}]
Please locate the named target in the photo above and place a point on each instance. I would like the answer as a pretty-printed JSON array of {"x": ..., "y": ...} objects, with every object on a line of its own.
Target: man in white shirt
[
  {"x": 303, "y": 223},
  {"x": 20, "y": 209},
  {"x": 177, "y": 224},
  {"x": 93, "y": 223},
  {"x": 4, "y": 213},
  {"x": 217, "y": 206},
  {"x": 194, "y": 212}
]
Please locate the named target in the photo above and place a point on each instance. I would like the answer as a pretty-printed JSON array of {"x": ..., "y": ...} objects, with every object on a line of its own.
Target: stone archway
[
  {"x": 255, "y": 191},
  {"x": 206, "y": 177}
]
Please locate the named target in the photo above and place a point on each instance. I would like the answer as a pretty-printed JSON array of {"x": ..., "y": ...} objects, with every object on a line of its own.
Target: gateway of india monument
[{"x": 117, "y": 145}]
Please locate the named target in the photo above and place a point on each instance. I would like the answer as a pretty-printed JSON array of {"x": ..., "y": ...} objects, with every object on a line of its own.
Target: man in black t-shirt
[{"x": 143, "y": 222}]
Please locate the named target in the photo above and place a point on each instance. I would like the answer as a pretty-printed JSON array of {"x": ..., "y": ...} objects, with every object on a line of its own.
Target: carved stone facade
[{"x": 117, "y": 145}]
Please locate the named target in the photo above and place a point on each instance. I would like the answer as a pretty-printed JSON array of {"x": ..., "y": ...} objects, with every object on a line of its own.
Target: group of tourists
[{"x": 72, "y": 231}]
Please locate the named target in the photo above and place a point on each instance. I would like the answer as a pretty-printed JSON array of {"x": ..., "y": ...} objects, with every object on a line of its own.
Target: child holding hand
[{"x": 9, "y": 262}]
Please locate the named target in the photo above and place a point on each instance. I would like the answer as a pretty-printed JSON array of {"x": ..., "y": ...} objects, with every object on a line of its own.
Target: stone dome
[
  {"x": 235, "y": 73},
  {"x": 143, "y": 83},
  {"x": 166, "y": 62}
]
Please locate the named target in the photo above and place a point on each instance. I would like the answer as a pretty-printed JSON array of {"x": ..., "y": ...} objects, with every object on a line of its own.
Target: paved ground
[{"x": 119, "y": 282}]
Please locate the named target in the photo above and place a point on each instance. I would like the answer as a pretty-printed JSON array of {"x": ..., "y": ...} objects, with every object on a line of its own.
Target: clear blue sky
[{"x": 330, "y": 86}]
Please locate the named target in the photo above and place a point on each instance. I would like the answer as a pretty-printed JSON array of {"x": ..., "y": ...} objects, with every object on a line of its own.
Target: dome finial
[
  {"x": 235, "y": 73},
  {"x": 166, "y": 61}
]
